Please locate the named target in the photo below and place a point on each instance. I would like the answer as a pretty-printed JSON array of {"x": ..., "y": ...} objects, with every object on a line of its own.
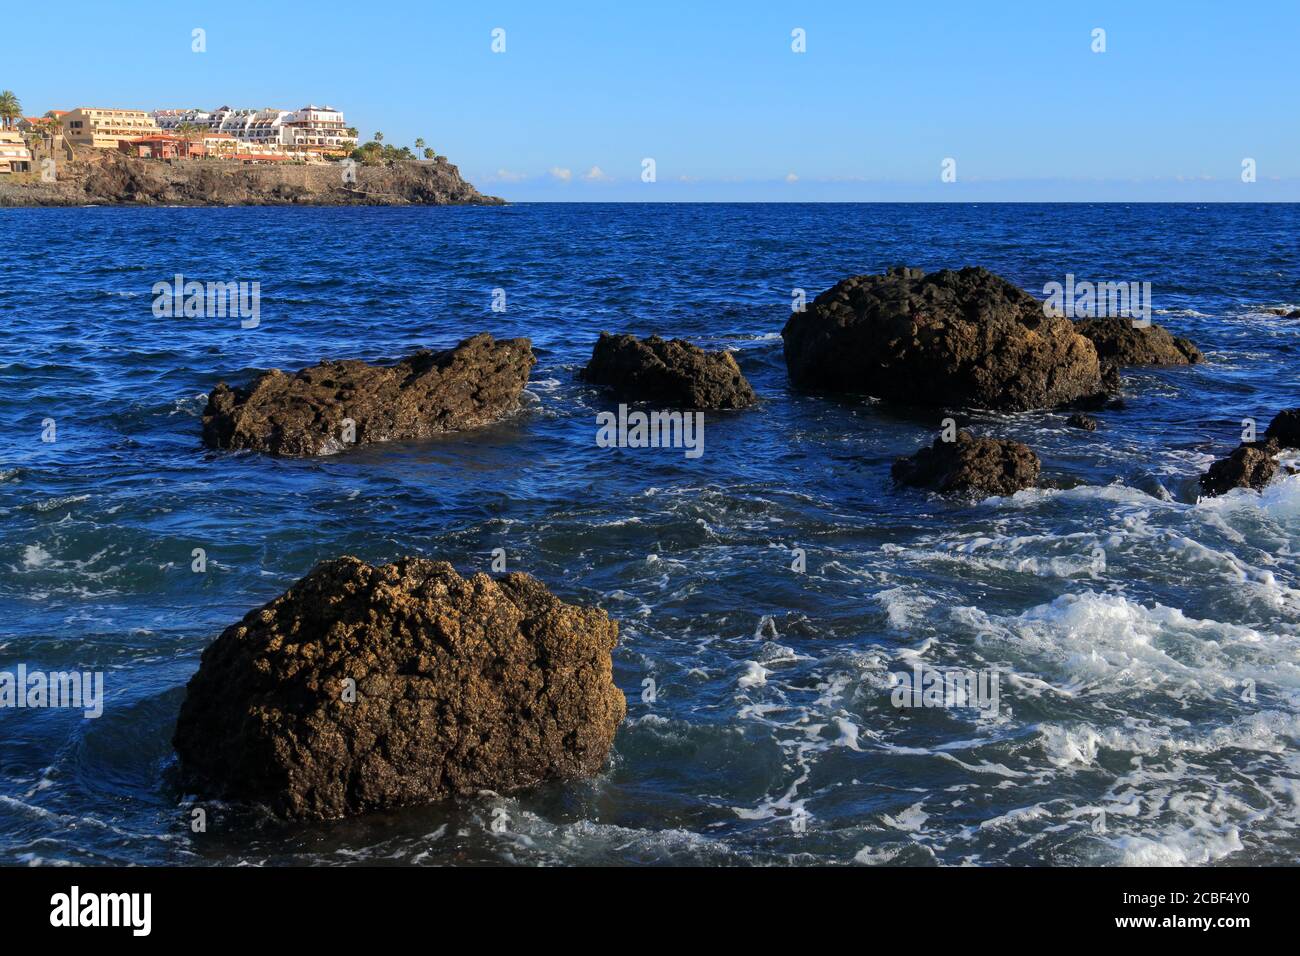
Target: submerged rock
[
  {"x": 1119, "y": 342},
  {"x": 991, "y": 466},
  {"x": 364, "y": 688},
  {"x": 669, "y": 372},
  {"x": 967, "y": 338},
  {"x": 1080, "y": 420},
  {"x": 425, "y": 394},
  {"x": 1252, "y": 465}
]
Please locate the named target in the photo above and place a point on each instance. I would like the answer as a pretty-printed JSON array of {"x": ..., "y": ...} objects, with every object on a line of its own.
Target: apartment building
[
  {"x": 106, "y": 128},
  {"x": 15, "y": 157},
  {"x": 318, "y": 127},
  {"x": 314, "y": 128}
]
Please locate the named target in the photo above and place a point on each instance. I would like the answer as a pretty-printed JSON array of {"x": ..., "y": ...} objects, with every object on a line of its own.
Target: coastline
[{"x": 104, "y": 178}]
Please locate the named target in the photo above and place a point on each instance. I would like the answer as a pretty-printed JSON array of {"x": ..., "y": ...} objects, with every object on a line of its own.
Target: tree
[
  {"x": 430, "y": 154},
  {"x": 379, "y": 137},
  {"x": 419, "y": 143},
  {"x": 10, "y": 109}
]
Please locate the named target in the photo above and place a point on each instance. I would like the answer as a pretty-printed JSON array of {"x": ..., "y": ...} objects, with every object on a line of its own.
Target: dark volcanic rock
[
  {"x": 1080, "y": 420},
  {"x": 674, "y": 373},
  {"x": 1118, "y": 341},
  {"x": 1285, "y": 428},
  {"x": 992, "y": 466},
  {"x": 425, "y": 394},
  {"x": 461, "y": 684},
  {"x": 947, "y": 339},
  {"x": 1252, "y": 465}
]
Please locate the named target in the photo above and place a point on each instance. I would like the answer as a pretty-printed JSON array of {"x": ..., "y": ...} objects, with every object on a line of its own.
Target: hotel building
[{"x": 104, "y": 128}]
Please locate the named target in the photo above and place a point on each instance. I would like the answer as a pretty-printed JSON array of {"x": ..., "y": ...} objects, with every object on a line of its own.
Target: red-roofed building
[{"x": 162, "y": 147}]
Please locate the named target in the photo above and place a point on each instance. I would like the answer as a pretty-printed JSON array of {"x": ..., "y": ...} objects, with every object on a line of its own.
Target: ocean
[{"x": 1146, "y": 645}]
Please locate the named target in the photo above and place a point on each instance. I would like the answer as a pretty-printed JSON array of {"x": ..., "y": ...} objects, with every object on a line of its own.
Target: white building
[{"x": 321, "y": 127}]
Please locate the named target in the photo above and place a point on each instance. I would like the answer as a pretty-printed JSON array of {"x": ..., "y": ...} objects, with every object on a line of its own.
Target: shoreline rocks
[
  {"x": 425, "y": 394},
  {"x": 1119, "y": 342},
  {"x": 948, "y": 339},
  {"x": 669, "y": 372},
  {"x": 989, "y": 466},
  {"x": 1254, "y": 464},
  {"x": 366, "y": 688}
]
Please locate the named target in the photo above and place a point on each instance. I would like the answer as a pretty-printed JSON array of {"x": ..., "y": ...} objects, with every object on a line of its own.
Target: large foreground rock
[
  {"x": 425, "y": 394},
  {"x": 989, "y": 466},
  {"x": 669, "y": 372},
  {"x": 461, "y": 684},
  {"x": 967, "y": 338},
  {"x": 1119, "y": 342}
]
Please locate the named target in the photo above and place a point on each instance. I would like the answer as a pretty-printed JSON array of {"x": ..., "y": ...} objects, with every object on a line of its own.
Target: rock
[
  {"x": 1080, "y": 420},
  {"x": 1285, "y": 428},
  {"x": 1118, "y": 341},
  {"x": 948, "y": 339},
  {"x": 674, "y": 373},
  {"x": 1252, "y": 465},
  {"x": 991, "y": 466},
  {"x": 428, "y": 393},
  {"x": 461, "y": 684}
]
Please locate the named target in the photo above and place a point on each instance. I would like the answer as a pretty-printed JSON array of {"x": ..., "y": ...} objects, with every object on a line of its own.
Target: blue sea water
[{"x": 1148, "y": 644}]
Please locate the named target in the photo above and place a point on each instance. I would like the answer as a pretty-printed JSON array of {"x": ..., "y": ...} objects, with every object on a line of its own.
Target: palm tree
[
  {"x": 379, "y": 137},
  {"x": 430, "y": 154},
  {"x": 10, "y": 108},
  {"x": 419, "y": 143}
]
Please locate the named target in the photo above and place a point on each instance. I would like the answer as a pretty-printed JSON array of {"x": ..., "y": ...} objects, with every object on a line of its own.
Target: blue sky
[{"x": 885, "y": 92}]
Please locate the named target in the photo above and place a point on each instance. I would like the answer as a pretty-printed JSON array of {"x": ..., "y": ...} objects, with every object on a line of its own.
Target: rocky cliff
[{"x": 103, "y": 177}]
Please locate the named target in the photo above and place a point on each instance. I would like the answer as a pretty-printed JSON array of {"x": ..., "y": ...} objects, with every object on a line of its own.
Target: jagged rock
[
  {"x": 991, "y": 466},
  {"x": 1080, "y": 420},
  {"x": 1252, "y": 465},
  {"x": 425, "y": 394},
  {"x": 967, "y": 338},
  {"x": 1285, "y": 428},
  {"x": 366, "y": 688},
  {"x": 674, "y": 373},
  {"x": 1118, "y": 341}
]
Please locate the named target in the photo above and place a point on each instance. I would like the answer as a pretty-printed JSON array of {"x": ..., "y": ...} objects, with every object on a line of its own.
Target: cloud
[
  {"x": 507, "y": 176},
  {"x": 595, "y": 175},
  {"x": 562, "y": 174},
  {"x": 791, "y": 178}
]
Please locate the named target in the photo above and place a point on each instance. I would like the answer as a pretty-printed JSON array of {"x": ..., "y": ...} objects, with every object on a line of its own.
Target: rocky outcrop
[
  {"x": 1080, "y": 420},
  {"x": 367, "y": 688},
  {"x": 1119, "y": 342},
  {"x": 988, "y": 466},
  {"x": 106, "y": 177},
  {"x": 673, "y": 373},
  {"x": 948, "y": 339},
  {"x": 1253, "y": 464},
  {"x": 425, "y": 394},
  {"x": 1285, "y": 428}
]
